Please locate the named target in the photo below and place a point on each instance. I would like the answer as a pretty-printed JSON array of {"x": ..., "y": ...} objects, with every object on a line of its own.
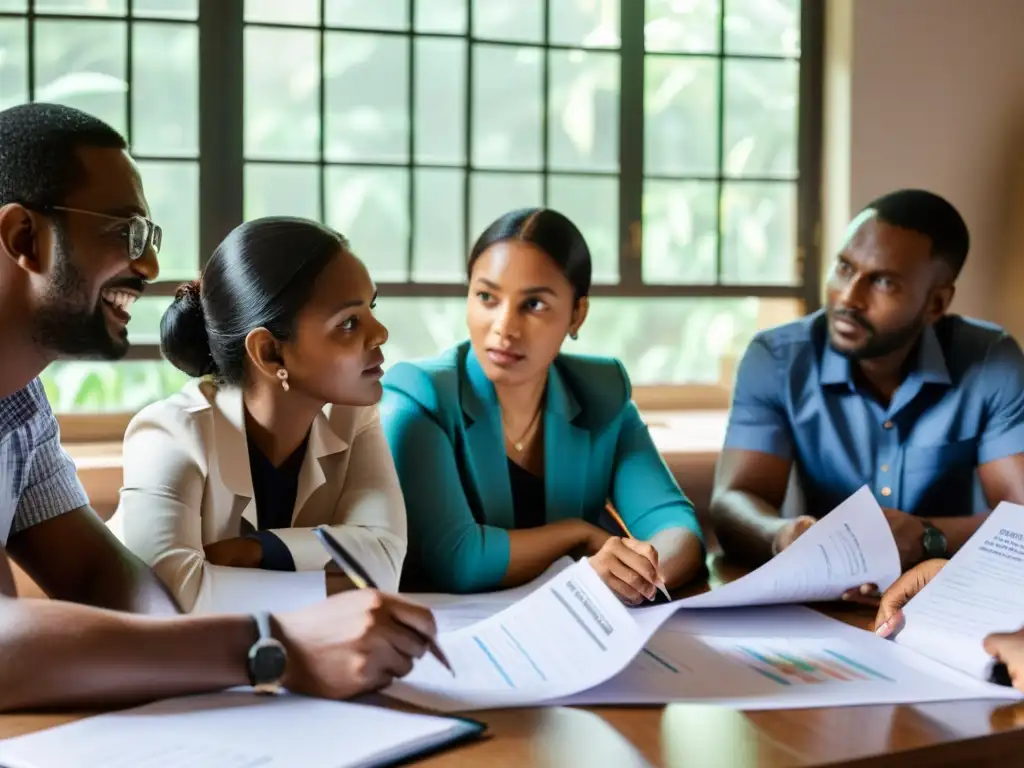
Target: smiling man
[
  {"x": 881, "y": 388},
  {"x": 76, "y": 248}
]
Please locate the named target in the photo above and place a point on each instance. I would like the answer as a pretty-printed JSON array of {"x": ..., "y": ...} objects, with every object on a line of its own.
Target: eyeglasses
[{"x": 141, "y": 231}]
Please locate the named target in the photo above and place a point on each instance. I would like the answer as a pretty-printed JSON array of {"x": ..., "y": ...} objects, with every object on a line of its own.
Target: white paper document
[
  {"x": 569, "y": 634},
  {"x": 570, "y": 640},
  {"x": 778, "y": 657},
  {"x": 980, "y": 591},
  {"x": 236, "y": 729}
]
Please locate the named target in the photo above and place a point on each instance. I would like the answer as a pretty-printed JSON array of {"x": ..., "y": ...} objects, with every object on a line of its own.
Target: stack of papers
[
  {"x": 239, "y": 729},
  {"x": 569, "y": 640}
]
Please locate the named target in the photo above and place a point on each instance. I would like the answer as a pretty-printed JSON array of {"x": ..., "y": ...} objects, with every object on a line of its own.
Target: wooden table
[{"x": 978, "y": 733}]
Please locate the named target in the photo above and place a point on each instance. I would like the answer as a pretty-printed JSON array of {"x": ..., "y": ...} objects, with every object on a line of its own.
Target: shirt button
[
  {"x": 885, "y": 467},
  {"x": 887, "y": 425},
  {"x": 887, "y": 491}
]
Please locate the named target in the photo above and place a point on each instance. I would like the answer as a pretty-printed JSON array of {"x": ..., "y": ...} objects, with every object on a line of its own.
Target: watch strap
[{"x": 262, "y": 619}]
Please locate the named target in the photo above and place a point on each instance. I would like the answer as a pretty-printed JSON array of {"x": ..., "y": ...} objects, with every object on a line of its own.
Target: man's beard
[
  {"x": 66, "y": 323},
  {"x": 880, "y": 344}
]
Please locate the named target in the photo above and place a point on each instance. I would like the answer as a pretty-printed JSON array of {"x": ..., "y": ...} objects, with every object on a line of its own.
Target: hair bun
[{"x": 183, "y": 337}]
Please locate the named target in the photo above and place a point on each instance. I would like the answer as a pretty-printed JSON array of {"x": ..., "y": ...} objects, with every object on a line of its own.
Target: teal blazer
[{"x": 443, "y": 423}]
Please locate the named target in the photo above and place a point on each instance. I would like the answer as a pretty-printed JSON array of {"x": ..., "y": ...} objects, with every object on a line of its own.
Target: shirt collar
[{"x": 929, "y": 363}]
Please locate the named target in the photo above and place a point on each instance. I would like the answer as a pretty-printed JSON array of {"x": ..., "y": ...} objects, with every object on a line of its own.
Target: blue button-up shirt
[
  {"x": 960, "y": 406},
  {"x": 37, "y": 478}
]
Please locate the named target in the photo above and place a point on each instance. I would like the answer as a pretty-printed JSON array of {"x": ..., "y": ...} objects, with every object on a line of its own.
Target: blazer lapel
[
  {"x": 323, "y": 445},
  {"x": 486, "y": 445},
  {"x": 231, "y": 449},
  {"x": 566, "y": 452}
]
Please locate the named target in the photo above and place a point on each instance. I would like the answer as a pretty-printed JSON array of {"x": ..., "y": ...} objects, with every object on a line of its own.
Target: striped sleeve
[{"x": 51, "y": 486}]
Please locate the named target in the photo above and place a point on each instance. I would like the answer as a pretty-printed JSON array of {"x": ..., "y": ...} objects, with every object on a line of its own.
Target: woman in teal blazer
[{"x": 508, "y": 450}]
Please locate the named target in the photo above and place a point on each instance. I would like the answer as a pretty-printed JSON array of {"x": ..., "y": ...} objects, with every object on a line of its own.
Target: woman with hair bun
[{"x": 225, "y": 480}]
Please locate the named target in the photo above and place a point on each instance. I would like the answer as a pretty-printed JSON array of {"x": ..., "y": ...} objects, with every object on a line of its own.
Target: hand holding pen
[{"x": 362, "y": 580}]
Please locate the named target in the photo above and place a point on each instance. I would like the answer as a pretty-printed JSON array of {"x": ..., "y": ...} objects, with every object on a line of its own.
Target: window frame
[{"x": 221, "y": 160}]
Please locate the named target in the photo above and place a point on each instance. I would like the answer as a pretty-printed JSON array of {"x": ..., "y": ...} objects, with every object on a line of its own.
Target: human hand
[
  {"x": 790, "y": 532},
  {"x": 235, "y": 553},
  {"x": 890, "y": 610},
  {"x": 629, "y": 568},
  {"x": 908, "y": 531},
  {"x": 1008, "y": 647},
  {"x": 352, "y": 643},
  {"x": 591, "y": 538}
]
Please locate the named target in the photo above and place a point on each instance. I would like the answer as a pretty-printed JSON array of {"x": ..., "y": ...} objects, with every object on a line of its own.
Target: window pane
[
  {"x": 438, "y": 229},
  {"x": 494, "y": 194},
  {"x": 444, "y": 16},
  {"x": 282, "y": 190},
  {"x": 370, "y": 206},
  {"x": 172, "y": 190},
  {"x": 507, "y": 91},
  {"x": 81, "y": 64},
  {"x": 678, "y": 341},
  {"x": 278, "y": 12},
  {"x": 584, "y": 111},
  {"x": 680, "y": 113},
  {"x": 661, "y": 341},
  {"x": 593, "y": 205},
  {"x": 520, "y": 21},
  {"x": 680, "y": 232},
  {"x": 83, "y": 7},
  {"x": 13, "y": 62},
  {"x": 90, "y": 387},
  {"x": 761, "y": 117},
  {"x": 144, "y": 327},
  {"x": 165, "y": 89},
  {"x": 440, "y": 129},
  {"x": 282, "y": 92},
  {"x": 367, "y": 103},
  {"x": 376, "y": 14},
  {"x": 420, "y": 327},
  {"x": 759, "y": 233},
  {"x": 588, "y": 23},
  {"x": 685, "y": 27},
  {"x": 166, "y": 9},
  {"x": 763, "y": 27},
  {"x": 16, "y": 6}
]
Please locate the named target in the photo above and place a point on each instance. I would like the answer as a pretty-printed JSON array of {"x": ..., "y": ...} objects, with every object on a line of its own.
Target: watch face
[
  {"x": 934, "y": 543},
  {"x": 267, "y": 664}
]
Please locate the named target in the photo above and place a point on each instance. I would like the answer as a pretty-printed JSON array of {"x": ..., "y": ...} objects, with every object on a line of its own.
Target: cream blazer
[{"x": 187, "y": 483}]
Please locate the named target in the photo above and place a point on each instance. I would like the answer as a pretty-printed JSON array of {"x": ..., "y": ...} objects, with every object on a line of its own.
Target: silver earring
[
  {"x": 574, "y": 336},
  {"x": 282, "y": 376}
]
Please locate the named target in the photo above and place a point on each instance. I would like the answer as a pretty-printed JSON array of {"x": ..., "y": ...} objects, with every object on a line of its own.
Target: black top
[
  {"x": 527, "y": 497},
  {"x": 274, "y": 491}
]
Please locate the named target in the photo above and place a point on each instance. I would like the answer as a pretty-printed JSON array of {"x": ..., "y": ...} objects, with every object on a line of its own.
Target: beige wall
[{"x": 930, "y": 93}]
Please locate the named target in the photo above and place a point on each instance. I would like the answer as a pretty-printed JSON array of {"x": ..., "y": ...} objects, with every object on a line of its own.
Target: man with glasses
[{"x": 77, "y": 248}]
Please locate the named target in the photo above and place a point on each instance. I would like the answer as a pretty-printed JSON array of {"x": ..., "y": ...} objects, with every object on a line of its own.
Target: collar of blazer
[{"x": 231, "y": 448}]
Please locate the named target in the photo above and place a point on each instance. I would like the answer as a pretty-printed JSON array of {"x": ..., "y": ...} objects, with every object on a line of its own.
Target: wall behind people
[{"x": 932, "y": 95}]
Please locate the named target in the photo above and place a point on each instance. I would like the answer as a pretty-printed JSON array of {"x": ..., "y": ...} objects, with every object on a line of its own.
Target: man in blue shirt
[{"x": 882, "y": 388}]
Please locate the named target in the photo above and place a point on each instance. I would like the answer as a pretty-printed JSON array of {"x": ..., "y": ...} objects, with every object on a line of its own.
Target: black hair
[
  {"x": 551, "y": 232},
  {"x": 930, "y": 215},
  {"x": 260, "y": 276},
  {"x": 39, "y": 143}
]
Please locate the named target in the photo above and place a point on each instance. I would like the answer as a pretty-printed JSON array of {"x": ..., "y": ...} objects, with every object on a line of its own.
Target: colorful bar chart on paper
[{"x": 789, "y": 662}]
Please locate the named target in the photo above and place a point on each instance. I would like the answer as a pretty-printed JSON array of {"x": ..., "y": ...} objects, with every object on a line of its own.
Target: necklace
[{"x": 518, "y": 444}]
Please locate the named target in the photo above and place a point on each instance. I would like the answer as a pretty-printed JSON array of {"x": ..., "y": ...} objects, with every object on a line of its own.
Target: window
[{"x": 681, "y": 136}]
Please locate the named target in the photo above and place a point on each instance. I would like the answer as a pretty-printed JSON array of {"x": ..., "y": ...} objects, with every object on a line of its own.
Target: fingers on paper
[
  {"x": 627, "y": 593},
  {"x": 415, "y": 616}
]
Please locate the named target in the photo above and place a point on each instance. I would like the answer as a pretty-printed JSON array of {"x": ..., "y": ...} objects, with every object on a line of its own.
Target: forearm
[
  {"x": 957, "y": 529},
  {"x": 532, "y": 550},
  {"x": 745, "y": 525},
  {"x": 57, "y": 654},
  {"x": 680, "y": 555},
  {"x": 126, "y": 584}
]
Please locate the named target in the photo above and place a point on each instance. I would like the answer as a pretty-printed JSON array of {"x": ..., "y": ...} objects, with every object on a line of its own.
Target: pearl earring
[{"x": 282, "y": 376}]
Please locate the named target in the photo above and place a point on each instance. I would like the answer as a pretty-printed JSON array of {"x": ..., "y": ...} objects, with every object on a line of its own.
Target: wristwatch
[
  {"x": 267, "y": 658},
  {"x": 934, "y": 542}
]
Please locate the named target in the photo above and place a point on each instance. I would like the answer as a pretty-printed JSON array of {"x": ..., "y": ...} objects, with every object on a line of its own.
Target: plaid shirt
[{"x": 37, "y": 478}]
